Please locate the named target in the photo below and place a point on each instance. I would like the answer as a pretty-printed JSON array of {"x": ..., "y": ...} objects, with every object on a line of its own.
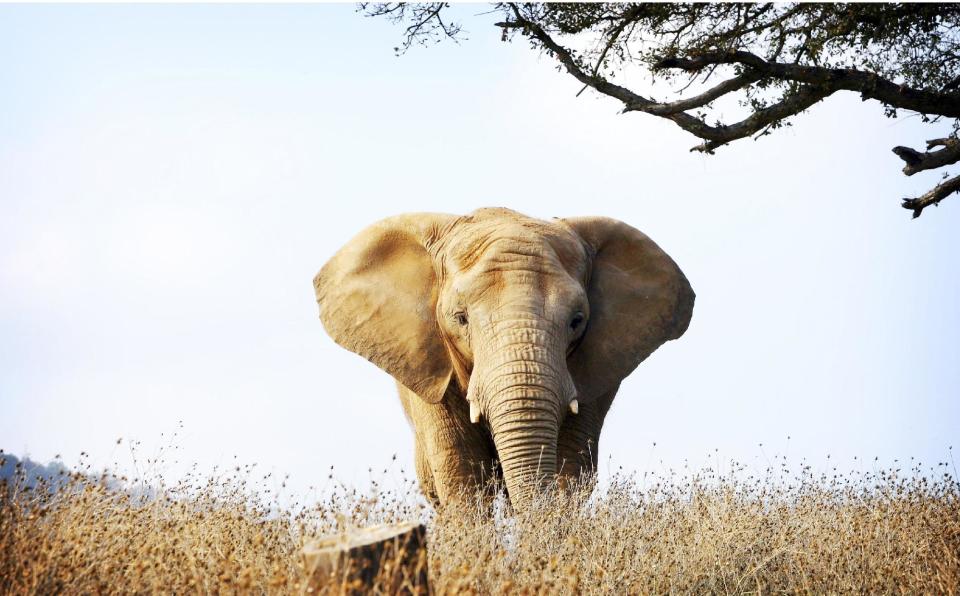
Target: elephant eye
[
  {"x": 461, "y": 318},
  {"x": 576, "y": 321}
]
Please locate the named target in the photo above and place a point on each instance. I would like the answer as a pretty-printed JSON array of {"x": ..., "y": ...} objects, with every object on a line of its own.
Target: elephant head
[{"x": 523, "y": 319}]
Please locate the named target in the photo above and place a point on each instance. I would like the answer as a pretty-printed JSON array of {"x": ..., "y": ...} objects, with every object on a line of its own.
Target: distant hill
[
  {"x": 57, "y": 476},
  {"x": 55, "y": 473}
]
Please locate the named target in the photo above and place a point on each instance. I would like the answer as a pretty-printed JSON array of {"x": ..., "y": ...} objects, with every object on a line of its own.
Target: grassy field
[{"x": 890, "y": 531}]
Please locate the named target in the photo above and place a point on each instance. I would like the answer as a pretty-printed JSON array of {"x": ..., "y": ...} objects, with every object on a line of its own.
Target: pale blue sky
[{"x": 171, "y": 178}]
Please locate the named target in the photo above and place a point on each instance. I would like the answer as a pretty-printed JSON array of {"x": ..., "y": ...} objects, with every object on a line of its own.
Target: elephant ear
[
  {"x": 639, "y": 299},
  {"x": 378, "y": 298}
]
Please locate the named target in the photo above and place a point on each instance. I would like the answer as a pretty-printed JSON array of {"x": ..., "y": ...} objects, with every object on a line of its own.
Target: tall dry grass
[{"x": 888, "y": 531}]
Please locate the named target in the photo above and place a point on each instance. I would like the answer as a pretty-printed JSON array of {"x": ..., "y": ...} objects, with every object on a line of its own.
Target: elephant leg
[
  {"x": 577, "y": 445},
  {"x": 460, "y": 458},
  {"x": 425, "y": 474},
  {"x": 455, "y": 478},
  {"x": 453, "y": 456}
]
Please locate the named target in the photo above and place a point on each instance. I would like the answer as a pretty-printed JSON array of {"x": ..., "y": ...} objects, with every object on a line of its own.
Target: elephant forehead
[
  {"x": 494, "y": 242},
  {"x": 480, "y": 248},
  {"x": 505, "y": 285},
  {"x": 484, "y": 240}
]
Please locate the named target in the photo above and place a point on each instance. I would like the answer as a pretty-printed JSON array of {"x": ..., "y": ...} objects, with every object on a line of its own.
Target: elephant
[{"x": 508, "y": 336}]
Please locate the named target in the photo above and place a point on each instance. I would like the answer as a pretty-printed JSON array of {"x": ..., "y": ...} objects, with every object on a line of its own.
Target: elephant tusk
[
  {"x": 574, "y": 406},
  {"x": 474, "y": 413}
]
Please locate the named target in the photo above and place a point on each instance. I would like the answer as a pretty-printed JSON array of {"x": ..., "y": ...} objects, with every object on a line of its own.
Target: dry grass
[{"x": 878, "y": 532}]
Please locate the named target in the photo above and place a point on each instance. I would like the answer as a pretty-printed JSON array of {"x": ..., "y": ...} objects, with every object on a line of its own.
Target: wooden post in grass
[{"x": 386, "y": 559}]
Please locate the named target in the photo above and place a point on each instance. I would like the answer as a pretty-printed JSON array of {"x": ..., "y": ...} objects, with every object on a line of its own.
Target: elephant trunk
[
  {"x": 525, "y": 433},
  {"x": 524, "y": 394}
]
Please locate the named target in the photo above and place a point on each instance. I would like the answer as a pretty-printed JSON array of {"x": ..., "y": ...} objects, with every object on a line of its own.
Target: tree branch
[
  {"x": 715, "y": 136},
  {"x": 933, "y": 197},
  {"x": 815, "y": 82},
  {"x": 930, "y": 160},
  {"x": 795, "y": 103},
  {"x": 870, "y": 86},
  {"x": 568, "y": 61},
  {"x": 425, "y": 20},
  {"x": 625, "y": 20},
  {"x": 697, "y": 101}
]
